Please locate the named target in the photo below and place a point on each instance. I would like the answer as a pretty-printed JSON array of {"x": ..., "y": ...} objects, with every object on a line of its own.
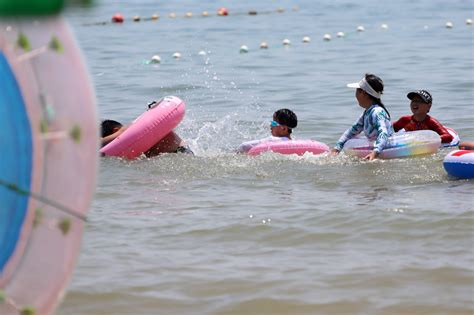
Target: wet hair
[
  {"x": 286, "y": 117},
  {"x": 108, "y": 127},
  {"x": 377, "y": 84}
]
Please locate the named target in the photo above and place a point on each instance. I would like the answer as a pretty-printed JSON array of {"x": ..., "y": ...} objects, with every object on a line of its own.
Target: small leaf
[
  {"x": 44, "y": 126},
  {"x": 65, "y": 225},
  {"x": 23, "y": 42},
  {"x": 75, "y": 133},
  {"x": 56, "y": 45},
  {"x": 3, "y": 296},
  {"x": 28, "y": 310},
  {"x": 38, "y": 217}
]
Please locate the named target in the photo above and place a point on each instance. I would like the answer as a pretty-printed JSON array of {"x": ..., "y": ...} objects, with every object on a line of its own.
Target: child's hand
[
  {"x": 334, "y": 152},
  {"x": 371, "y": 156},
  {"x": 120, "y": 131},
  {"x": 111, "y": 137}
]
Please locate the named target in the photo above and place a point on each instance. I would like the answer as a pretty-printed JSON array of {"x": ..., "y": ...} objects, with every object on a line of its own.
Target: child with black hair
[
  {"x": 374, "y": 121},
  {"x": 171, "y": 143},
  {"x": 284, "y": 120},
  {"x": 111, "y": 129}
]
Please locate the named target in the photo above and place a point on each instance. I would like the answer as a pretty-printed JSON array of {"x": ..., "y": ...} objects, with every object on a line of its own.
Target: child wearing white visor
[{"x": 374, "y": 121}]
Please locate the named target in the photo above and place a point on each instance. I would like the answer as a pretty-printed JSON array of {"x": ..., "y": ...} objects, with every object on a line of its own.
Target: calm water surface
[{"x": 219, "y": 233}]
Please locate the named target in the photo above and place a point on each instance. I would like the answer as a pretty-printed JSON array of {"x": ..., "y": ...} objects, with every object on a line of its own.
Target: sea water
[{"x": 221, "y": 233}]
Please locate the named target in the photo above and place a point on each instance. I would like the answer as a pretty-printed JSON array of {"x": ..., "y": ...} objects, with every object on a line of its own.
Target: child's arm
[
  {"x": 401, "y": 123},
  {"x": 246, "y": 146},
  {"x": 434, "y": 125},
  {"x": 382, "y": 124},
  {"x": 466, "y": 145},
  {"x": 356, "y": 128},
  {"x": 110, "y": 138}
]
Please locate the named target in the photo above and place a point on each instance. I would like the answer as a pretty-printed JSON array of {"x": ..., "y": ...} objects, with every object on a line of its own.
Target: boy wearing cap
[
  {"x": 420, "y": 106},
  {"x": 284, "y": 120}
]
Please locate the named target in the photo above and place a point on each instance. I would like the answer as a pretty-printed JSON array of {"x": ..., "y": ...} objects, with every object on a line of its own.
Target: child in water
[
  {"x": 171, "y": 143},
  {"x": 284, "y": 120},
  {"x": 420, "y": 106},
  {"x": 374, "y": 121}
]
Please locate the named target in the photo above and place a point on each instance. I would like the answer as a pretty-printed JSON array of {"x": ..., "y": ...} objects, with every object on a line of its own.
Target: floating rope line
[
  {"x": 119, "y": 18},
  {"x": 156, "y": 59},
  {"x": 24, "y": 192}
]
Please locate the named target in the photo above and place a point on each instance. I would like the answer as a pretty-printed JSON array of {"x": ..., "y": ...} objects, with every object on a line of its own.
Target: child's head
[
  {"x": 376, "y": 83},
  {"x": 421, "y": 101},
  {"x": 109, "y": 127},
  {"x": 284, "y": 120},
  {"x": 369, "y": 91}
]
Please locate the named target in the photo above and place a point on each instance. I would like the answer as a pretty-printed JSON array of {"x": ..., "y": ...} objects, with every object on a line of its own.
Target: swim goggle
[{"x": 274, "y": 124}]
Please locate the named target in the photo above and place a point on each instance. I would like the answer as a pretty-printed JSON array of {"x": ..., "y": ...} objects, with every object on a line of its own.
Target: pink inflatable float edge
[
  {"x": 149, "y": 128},
  {"x": 298, "y": 147}
]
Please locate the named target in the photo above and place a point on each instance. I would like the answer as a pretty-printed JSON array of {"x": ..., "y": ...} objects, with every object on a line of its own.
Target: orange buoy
[
  {"x": 117, "y": 18},
  {"x": 222, "y": 12}
]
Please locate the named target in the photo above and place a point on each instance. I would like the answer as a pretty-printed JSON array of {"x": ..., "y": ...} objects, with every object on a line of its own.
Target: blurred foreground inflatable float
[{"x": 48, "y": 164}]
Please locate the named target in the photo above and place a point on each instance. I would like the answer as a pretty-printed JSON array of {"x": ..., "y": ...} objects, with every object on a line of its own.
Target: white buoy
[
  {"x": 306, "y": 39},
  {"x": 449, "y": 24},
  {"x": 340, "y": 34},
  {"x": 136, "y": 18},
  {"x": 205, "y": 13},
  {"x": 263, "y": 45},
  {"x": 188, "y": 14},
  {"x": 384, "y": 26},
  {"x": 172, "y": 15},
  {"x": 286, "y": 42},
  {"x": 155, "y": 17},
  {"x": 176, "y": 55},
  {"x": 244, "y": 49},
  {"x": 327, "y": 37},
  {"x": 360, "y": 28},
  {"x": 202, "y": 53},
  {"x": 469, "y": 21},
  {"x": 155, "y": 59}
]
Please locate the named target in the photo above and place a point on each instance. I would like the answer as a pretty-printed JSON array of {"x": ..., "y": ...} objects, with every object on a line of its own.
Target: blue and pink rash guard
[{"x": 376, "y": 125}]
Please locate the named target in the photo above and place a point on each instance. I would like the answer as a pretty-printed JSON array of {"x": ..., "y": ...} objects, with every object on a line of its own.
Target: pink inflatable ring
[
  {"x": 148, "y": 129},
  {"x": 298, "y": 147}
]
